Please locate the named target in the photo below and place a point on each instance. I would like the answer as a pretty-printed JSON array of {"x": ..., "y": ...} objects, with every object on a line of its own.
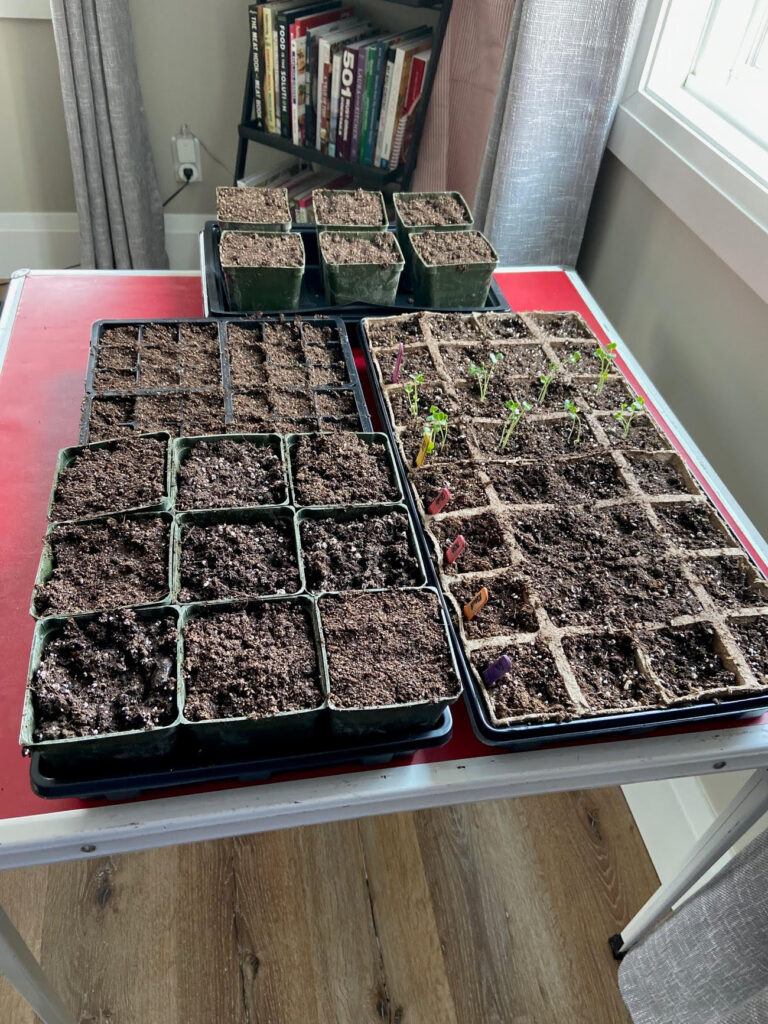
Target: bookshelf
[{"x": 363, "y": 174}]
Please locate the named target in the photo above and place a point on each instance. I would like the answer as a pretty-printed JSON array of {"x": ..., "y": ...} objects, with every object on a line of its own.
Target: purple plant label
[
  {"x": 454, "y": 549},
  {"x": 398, "y": 363},
  {"x": 499, "y": 668},
  {"x": 440, "y": 502}
]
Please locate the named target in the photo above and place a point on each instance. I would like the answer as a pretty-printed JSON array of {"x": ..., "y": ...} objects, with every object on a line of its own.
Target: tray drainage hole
[
  {"x": 719, "y": 764},
  {"x": 88, "y": 848}
]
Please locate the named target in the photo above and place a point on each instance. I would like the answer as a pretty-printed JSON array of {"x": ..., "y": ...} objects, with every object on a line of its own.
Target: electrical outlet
[{"x": 185, "y": 149}]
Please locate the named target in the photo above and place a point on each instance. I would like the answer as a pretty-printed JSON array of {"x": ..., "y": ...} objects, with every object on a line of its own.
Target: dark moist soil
[
  {"x": 202, "y": 413},
  {"x": 252, "y": 205},
  {"x": 110, "y": 417},
  {"x": 228, "y": 560},
  {"x": 534, "y": 439},
  {"x": 509, "y": 609},
  {"x": 500, "y": 327},
  {"x": 200, "y": 360},
  {"x": 445, "y": 327},
  {"x": 282, "y": 342},
  {"x": 163, "y": 336},
  {"x": 562, "y": 387},
  {"x": 270, "y": 249},
  {"x": 114, "y": 380},
  {"x": 223, "y": 474},
  {"x": 643, "y": 434},
  {"x": 125, "y": 336},
  {"x": 447, "y": 248},
  {"x": 246, "y": 361},
  {"x": 343, "y": 423},
  {"x": 416, "y": 360},
  {"x": 287, "y": 377},
  {"x": 517, "y": 360},
  {"x": 423, "y": 211},
  {"x": 335, "y": 403},
  {"x": 114, "y": 673},
  {"x": 314, "y": 336},
  {"x": 291, "y": 404},
  {"x": 159, "y": 368},
  {"x": 251, "y": 664},
  {"x": 571, "y": 481},
  {"x": 686, "y": 661},
  {"x": 614, "y": 392},
  {"x": 607, "y": 672},
  {"x": 106, "y": 564},
  {"x": 692, "y": 525},
  {"x": 532, "y": 687},
  {"x": 562, "y": 325},
  {"x": 406, "y": 328},
  {"x": 158, "y": 412},
  {"x": 731, "y": 581},
  {"x": 659, "y": 475},
  {"x": 487, "y": 547},
  {"x": 118, "y": 357},
  {"x": 371, "y": 637},
  {"x": 341, "y": 469},
  {"x": 332, "y": 375},
  {"x": 128, "y": 474},
  {"x": 461, "y": 479},
  {"x": 364, "y": 553},
  {"x": 356, "y": 208},
  {"x": 377, "y": 250},
  {"x": 752, "y": 637}
]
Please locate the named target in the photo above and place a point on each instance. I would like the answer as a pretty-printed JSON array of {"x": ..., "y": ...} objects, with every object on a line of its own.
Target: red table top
[{"x": 41, "y": 388}]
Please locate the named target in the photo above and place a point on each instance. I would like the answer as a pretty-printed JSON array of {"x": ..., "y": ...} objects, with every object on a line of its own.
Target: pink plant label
[
  {"x": 440, "y": 502},
  {"x": 495, "y": 671},
  {"x": 398, "y": 363},
  {"x": 455, "y": 549}
]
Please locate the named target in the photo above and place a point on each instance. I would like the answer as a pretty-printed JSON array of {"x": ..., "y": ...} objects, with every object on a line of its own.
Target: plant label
[
  {"x": 479, "y": 601},
  {"x": 423, "y": 452},
  {"x": 398, "y": 363},
  {"x": 438, "y": 505},
  {"x": 499, "y": 668},
  {"x": 454, "y": 549}
]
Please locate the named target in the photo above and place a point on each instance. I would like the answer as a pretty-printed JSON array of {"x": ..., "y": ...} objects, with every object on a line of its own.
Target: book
[
  {"x": 389, "y": 60},
  {"x": 350, "y": 87},
  {"x": 374, "y": 83},
  {"x": 301, "y": 82},
  {"x": 254, "y": 19},
  {"x": 406, "y": 122},
  {"x": 326, "y": 41},
  {"x": 405, "y": 78},
  {"x": 396, "y": 59},
  {"x": 285, "y": 20},
  {"x": 267, "y": 38}
]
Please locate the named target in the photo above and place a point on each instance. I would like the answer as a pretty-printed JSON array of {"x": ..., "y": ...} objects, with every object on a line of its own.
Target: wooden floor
[{"x": 495, "y": 913}]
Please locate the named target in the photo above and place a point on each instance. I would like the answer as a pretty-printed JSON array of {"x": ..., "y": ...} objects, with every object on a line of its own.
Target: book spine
[
  {"x": 347, "y": 87},
  {"x": 387, "y": 127},
  {"x": 299, "y": 87},
  {"x": 283, "y": 52},
  {"x": 323, "y": 97},
  {"x": 353, "y": 149},
  {"x": 377, "y": 85},
  {"x": 258, "y": 100},
  {"x": 276, "y": 74},
  {"x": 335, "y": 93},
  {"x": 311, "y": 76},
  {"x": 385, "y": 93},
  {"x": 415, "y": 87},
  {"x": 365, "y": 107}
]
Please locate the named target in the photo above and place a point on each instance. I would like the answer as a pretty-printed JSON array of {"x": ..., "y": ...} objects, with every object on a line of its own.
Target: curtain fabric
[
  {"x": 560, "y": 84},
  {"x": 116, "y": 191},
  {"x": 708, "y": 963}
]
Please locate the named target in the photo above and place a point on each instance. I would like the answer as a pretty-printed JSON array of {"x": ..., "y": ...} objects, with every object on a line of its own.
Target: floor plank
[{"x": 494, "y": 913}]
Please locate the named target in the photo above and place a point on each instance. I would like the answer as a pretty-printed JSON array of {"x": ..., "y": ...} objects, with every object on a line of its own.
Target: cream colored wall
[{"x": 697, "y": 329}]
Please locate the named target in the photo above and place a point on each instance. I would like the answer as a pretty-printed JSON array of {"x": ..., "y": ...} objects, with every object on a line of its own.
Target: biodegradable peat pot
[
  {"x": 349, "y": 210},
  {"x": 262, "y": 270},
  {"x": 134, "y": 745},
  {"x": 237, "y": 659},
  {"x": 433, "y": 211},
  {"x": 237, "y": 480},
  {"x": 253, "y": 209},
  {"x": 360, "y": 267},
  {"x": 341, "y": 468},
  {"x": 451, "y": 269}
]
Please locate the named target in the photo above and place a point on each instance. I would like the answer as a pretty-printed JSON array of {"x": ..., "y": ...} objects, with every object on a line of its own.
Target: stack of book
[
  {"x": 328, "y": 79},
  {"x": 300, "y": 180}
]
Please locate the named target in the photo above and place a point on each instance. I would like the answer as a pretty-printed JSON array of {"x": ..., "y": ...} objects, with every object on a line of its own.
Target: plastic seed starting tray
[
  {"x": 260, "y": 374},
  {"x": 312, "y": 299},
  {"x": 698, "y": 595}
]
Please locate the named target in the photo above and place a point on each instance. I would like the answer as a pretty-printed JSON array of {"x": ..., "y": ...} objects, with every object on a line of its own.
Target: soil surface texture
[
  {"x": 461, "y": 478},
  {"x": 200, "y": 359},
  {"x": 271, "y": 249},
  {"x": 130, "y": 473},
  {"x": 606, "y": 669},
  {"x": 371, "y": 637},
  {"x": 253, "y": 205},
  {"x": 223, "y": 474},
  {"x": 125, "y": 335},
  {"x": 509, "y": 609},
  {"x": 393, "y": 330},
  {"x": 532, "y": 687},
  {"x": 731, "y": 581},
  {"x": 444, "y": 248},
  {"x": 686, "y": 660},
  {"x": 251, "y": 664},
  {"x": 752, "y": 637},
  {"x": 562, "y": 325},
  {"x": 379, "y": 250},
  {"x": 659, "y": 475},
  {"x": 335, "y": 403},
  {"x": 113, "y": 673},
  {"x": 356, "y": 208},
  {"x": 568, "y": 481},
  {"x": 487, "y": 546},
  {"x": 503, "y": 327},
  {"x": 341, "y": 469},
  {"x": 440, "y": 209}
]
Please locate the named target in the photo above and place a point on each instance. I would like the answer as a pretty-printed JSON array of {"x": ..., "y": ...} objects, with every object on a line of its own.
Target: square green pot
[
  {"x": 241, "y": 734},
  {"x": 135, "y": 745},
  {"x": 451, "y": 285},
  {"x": 322, "y": 225},
  {"x": 368, "y": 438},
  {"x": 271, "y": 227},
  {"x": 182, "y": 446},
  {"x": 68, "y": 455},
  {"x": 371, "y": 283},
  {"x": 404, "y": 230},
  {"x": 264, "y": 288}
]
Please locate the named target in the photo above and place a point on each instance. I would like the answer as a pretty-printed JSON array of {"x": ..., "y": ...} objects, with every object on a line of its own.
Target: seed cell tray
[
  {"x": 312, "y": 299},
  {"x": 711, "y": 616},
  {"x": 191, "y": 767}
]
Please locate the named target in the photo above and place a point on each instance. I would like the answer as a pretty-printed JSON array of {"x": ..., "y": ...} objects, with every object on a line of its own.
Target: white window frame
[
  {"x": 26, "y": 9},
  {"x": 709, "y": 190}
]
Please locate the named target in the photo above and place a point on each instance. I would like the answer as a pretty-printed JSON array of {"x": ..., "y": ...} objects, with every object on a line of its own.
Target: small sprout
[
  {"x": 574, "y": 414},
  {"x": 437, "y": 425},
  {"x": 483, "y": 373},
  {"x": 515, "y": 413},
  {"x": 547, "y": 378},
  {"x": 411, "y": 389},
  {"x": 627, "y": 413},
  {"x": 606, "y": 356}
]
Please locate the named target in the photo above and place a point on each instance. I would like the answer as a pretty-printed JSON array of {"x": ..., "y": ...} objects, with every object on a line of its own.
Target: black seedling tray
[
  {"x": 312, "y": 299},
  {"x": 189, "y": 768},
  {"x": 541, "y": 734}
]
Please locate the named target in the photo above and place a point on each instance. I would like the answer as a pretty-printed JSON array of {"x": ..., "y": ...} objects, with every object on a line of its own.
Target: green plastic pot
[
  {"x": 404, "y": 230},
  {"x": 240, "y": 734},
  {"x": 182, "y": 446},
  {"x": 451, "y": 285},
  {"x": 68, "y": 455},
  {"x": 372, "y": 283},
  {"x": 264, "y": 288},
  {"x": 135, "y": 745},
  {"x": 368, "y": 438},
  {"x": 322, "y": 225},
  {"x": 269, "y": 227}
]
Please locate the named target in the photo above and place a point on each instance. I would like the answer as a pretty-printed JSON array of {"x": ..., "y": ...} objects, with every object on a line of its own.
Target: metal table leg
[
  {"x": 19, "y": 966},
  {"x": 747, "y": 807}
]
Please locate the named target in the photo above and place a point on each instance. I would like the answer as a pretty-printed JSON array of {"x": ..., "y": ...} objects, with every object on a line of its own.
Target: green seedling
[
  {"x": 483, "y": 373},
  {"x": 515, "y": 412},
  {"x": 411, "y": 389},
  {"x": 574, "y": 414},
  {"x": 606, "y": 356},
  {"x": 547, "y": 378},
  {"x": 627, "y": 413},
  {"x": 437, "y": 426}
]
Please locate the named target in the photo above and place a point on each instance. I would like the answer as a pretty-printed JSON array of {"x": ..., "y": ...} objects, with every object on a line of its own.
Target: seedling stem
[
  {"x": 411, "y": 389},
  {"x": 606, "y": 356},
  {"x": 483, "y": 373},
  {"x": 516, "y": 411},
  {"x": 574, "y": 414},
  {"x": 627, "y": 413}
]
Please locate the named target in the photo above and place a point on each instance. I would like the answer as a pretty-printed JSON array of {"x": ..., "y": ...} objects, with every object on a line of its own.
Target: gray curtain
[
  {"x": 118, "y": 201},
  {"x": 563, "y": 71},
  {"x": 708, "y": 963}
]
